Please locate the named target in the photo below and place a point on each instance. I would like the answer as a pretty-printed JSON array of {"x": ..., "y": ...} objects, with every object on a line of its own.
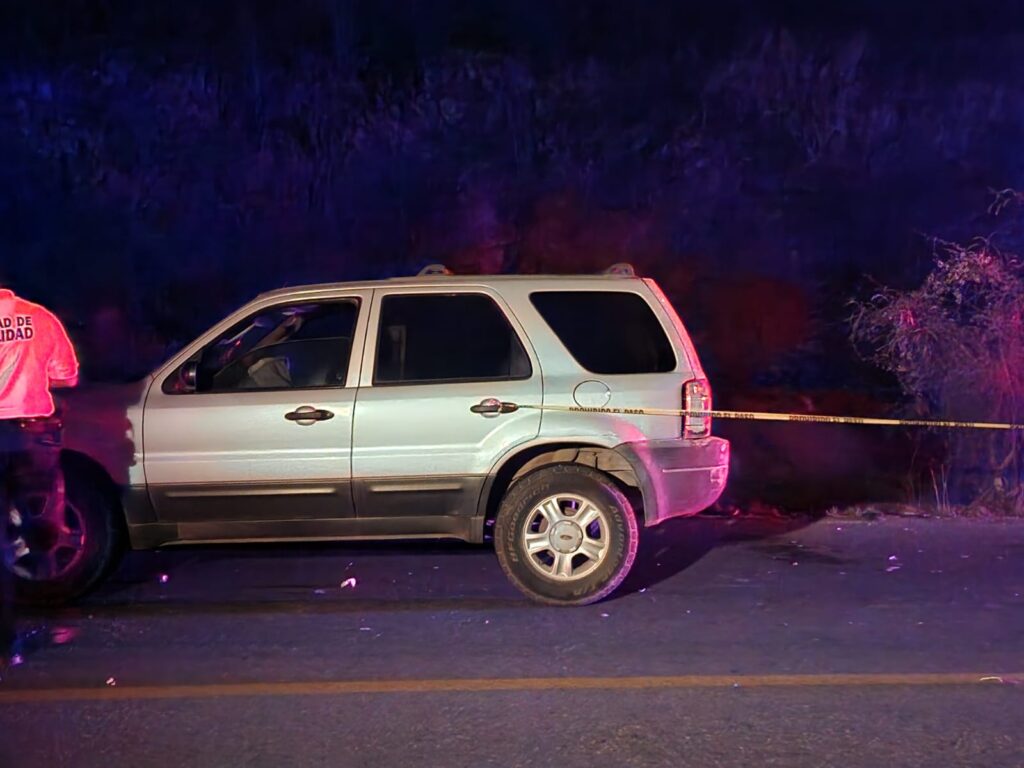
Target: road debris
[
  {"x": 111, "y": 682},
  {"x": 63, "y": 635},
  {"x": 349, "y": 582}
]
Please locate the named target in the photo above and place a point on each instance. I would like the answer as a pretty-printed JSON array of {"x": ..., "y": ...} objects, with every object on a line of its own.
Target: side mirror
[{"x": 189, "y": 375}]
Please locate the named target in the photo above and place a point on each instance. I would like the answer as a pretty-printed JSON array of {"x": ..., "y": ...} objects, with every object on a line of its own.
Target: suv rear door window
[
  {"x": 609, "y": 332},
  {"x": 437, "y": 337}
]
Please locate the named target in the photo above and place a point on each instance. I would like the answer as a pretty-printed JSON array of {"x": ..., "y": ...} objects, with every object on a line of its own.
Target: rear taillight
[{"x": 697, "y": 397}]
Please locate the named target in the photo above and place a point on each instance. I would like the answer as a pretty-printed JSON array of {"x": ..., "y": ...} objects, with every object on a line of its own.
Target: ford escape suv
[{"x": 425, "y": 407}]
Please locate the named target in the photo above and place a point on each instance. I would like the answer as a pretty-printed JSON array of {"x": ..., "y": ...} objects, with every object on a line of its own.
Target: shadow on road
[
  {"x": 675, "y": 545},
  {"x": 307, "y": 578}
]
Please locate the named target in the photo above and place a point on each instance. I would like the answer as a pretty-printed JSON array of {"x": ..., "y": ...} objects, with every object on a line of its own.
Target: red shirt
[{"x": 34, "y": 353}]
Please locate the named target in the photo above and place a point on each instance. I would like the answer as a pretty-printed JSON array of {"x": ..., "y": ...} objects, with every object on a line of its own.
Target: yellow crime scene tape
[{"x": 797, "y": 417}]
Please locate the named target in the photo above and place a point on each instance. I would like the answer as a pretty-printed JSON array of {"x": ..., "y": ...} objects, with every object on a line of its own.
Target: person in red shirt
[{"x": 35, "y": 355}]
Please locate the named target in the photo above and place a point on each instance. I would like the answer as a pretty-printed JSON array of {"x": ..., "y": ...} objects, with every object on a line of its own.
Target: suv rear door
[{"x": 423, "y": 441}]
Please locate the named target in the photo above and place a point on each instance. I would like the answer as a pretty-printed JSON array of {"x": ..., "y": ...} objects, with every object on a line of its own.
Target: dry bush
[{"x": 956, "y": 347}]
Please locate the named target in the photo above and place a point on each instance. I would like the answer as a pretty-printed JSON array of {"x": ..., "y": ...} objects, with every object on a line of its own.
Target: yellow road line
[{"x": 491, "y": 685}]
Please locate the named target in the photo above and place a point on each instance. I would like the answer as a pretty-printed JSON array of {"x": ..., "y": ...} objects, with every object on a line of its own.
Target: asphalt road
[{"x": 757, "y": 642}]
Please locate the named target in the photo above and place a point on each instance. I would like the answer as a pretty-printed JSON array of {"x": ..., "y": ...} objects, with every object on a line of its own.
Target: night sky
[{"x": 163, "y": 162}]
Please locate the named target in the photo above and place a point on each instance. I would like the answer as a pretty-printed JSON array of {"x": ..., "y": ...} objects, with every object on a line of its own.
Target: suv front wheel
[{"x": 566, "y": 535}]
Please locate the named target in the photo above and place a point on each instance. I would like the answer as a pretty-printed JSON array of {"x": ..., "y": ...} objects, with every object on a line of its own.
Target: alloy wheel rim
[
  {"x": 566, "y": 537},
  {"x": 45, "y": 534}
]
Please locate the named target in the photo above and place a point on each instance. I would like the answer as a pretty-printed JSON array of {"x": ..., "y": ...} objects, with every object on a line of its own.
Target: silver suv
[{"x": 424, "y": 407}]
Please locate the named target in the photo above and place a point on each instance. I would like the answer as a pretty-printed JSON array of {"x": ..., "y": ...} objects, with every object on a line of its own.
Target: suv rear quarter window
[{"x": 607, "y": 332}]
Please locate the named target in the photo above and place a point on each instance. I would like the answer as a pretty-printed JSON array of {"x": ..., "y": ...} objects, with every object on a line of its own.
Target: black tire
[
  {"x": 517, "y": 512},
  {"x": 103, "y": 540}
]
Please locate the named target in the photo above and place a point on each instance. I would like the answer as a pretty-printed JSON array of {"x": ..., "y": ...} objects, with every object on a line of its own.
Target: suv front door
[
  {"x": 432, "y": 356},
  {"x": 253, "y": 428}
]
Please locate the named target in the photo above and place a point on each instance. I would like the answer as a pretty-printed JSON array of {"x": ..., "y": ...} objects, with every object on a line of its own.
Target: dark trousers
[{"x": 11, "y": 443}]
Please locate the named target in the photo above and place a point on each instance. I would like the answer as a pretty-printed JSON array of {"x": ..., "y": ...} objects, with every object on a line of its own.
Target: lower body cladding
[
  {"x": 678, "y": 478},
  {"x": 409, "y": 507}
]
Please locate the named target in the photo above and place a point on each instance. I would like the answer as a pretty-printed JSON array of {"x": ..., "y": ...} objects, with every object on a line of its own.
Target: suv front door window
[{"x": 295, "y": 346}]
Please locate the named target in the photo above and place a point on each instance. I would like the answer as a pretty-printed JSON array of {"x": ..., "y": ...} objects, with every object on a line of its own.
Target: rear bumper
[{"x": 678, "y": 477}]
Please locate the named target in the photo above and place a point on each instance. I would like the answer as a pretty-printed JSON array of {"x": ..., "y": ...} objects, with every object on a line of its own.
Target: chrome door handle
[
  {"x": 307, "y": 414},
  {"x": 492, "y": 406}
]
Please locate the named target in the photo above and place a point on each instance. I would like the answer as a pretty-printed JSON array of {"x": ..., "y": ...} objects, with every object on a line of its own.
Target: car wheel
[
  {"x": 566, "y": 535},
  {"x": 61, "y": 535}
]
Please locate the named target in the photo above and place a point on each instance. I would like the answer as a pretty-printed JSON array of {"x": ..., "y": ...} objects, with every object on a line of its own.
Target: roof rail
[
  {"x": 434, "y": 269},
  {"x": 622, "y": 269}
]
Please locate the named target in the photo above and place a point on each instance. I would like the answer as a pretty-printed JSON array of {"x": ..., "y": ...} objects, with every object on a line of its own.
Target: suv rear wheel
[{"x": 566, "y": 535}]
